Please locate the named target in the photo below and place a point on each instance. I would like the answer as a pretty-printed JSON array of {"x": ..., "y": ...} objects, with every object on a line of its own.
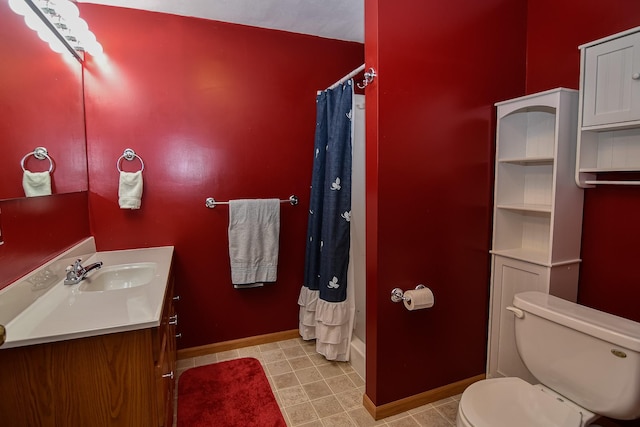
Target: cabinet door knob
[
  {"x": 169, "y": 375},
  {"x": 179, "y": 335},
  {"x": 635, "y": 76},
  {"x": 173, "y": 320},
  {"x": 176, "y": 298}
]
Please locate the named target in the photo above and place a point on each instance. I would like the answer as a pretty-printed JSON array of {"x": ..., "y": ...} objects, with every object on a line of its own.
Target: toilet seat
[{"x": 509, "y": 402}]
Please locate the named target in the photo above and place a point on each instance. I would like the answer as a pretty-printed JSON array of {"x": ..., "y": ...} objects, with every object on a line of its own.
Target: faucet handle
[{"x": 70, "y": 274}]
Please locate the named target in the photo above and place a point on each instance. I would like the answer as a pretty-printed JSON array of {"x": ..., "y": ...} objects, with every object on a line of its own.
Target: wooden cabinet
[
  {"x": 609, "y": 119},
  {"x": 537, "y": 221},
  {"x": 119, "y": 379},
  {"x": 165, "y": 361}
]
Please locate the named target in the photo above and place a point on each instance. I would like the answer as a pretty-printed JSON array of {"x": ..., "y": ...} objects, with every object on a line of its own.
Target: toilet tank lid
[{"x": 608, "y": 327}]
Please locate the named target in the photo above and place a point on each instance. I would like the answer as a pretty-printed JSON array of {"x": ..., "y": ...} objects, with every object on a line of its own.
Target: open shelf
[
  {"x": 529, "y": 184},
  {"x": 531, "y": 256},
  {"x": 610, "y": 150},
  {"x": 523, "y": 231},
  {"x": 525, "y": 207},
  {"x": 527, "y": 161},
  {"x": 530, "y": 133}
]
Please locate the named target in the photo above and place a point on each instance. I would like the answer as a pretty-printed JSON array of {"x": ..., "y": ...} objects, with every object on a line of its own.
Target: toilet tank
[{"x": 590, "y": 357}]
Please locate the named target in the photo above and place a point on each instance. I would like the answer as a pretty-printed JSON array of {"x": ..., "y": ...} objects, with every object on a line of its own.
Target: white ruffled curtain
[
  {"x": 326, "y": 308},
  {"x": 330, "y": 324}
]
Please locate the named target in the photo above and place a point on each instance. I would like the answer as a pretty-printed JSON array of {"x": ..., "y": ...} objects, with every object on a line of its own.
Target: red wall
[
  {"x": 215, "y": 110},
  {"x": 430, "y": 146},
  {"x": 610, "y": 236}
]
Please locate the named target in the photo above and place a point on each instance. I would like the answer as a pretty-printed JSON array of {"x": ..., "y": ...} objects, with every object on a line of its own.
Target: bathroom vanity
[{"x": 98, "y": 353}]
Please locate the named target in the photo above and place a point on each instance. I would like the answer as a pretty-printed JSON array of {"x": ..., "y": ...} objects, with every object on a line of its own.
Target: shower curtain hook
[{"x": 368, "y": 78}]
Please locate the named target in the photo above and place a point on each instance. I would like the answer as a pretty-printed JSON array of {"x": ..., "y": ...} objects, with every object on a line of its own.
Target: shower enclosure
[{"x": 358, "y": 248}]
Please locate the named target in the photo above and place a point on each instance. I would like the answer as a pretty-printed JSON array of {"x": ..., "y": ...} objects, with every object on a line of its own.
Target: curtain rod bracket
[{"x": 368, "y": 78}]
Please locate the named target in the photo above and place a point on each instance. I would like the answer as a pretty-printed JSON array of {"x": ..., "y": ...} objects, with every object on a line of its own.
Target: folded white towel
[
  {"x": 130, "y": 190},
  {"x": 254, "y": 235},
  {"x": 36, "y": 183}
]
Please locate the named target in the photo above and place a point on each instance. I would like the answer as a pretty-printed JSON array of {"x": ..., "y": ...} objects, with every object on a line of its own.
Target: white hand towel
[
  {"x": 36, "y": 183},
  {"x": 254, "y": 236},
  {"x": 130, "y": 190}
]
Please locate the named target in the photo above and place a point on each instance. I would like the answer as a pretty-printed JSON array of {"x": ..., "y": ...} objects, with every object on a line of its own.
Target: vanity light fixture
[{"x": 58, "y": 23}]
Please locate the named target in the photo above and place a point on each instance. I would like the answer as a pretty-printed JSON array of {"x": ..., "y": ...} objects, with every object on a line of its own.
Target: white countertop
[{"x": 65, "y": 312}]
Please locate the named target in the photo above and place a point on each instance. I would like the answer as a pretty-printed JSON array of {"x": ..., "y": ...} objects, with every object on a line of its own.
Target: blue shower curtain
[{"x": 325, "y": 313}]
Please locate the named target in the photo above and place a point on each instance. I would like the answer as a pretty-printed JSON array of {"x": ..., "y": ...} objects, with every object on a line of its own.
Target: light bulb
[
  {"x": 64, "y": 17},
  {"x": 88, "y": 37},
  {"x": 57, "y": 46},
  {"x": 67, "y": 9},
  {"x": 78, "y": 25},
  {"x": 19, "y": 7},
  {"x": 34, "y": 22},
  {"x": 45, "y": 34},
  {"x": 95, "y": 49}
]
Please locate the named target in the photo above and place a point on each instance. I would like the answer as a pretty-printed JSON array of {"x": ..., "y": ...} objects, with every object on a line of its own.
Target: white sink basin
[
  {"x": 123, "y": 276},
  {"x": 126, "y": 294}
]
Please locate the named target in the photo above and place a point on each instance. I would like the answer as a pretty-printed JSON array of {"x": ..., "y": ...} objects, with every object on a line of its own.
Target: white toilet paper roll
[{"x": 418, "y": 299}]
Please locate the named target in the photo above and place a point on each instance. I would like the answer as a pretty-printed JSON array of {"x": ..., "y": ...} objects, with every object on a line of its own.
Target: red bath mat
[{"x": 235, "y": 393}]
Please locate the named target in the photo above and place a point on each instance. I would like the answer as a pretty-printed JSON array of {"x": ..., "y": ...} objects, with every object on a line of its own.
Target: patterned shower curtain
[{"x": 325, "y": 313}]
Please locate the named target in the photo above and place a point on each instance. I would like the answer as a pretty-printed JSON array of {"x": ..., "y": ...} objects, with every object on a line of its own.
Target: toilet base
[{"x": 461, "y": 420}]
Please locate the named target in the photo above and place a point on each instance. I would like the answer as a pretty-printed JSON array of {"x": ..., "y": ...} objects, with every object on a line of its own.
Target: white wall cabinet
[
  {"x": 537, "y": 222},
  {"x": 609, "y": 118}
]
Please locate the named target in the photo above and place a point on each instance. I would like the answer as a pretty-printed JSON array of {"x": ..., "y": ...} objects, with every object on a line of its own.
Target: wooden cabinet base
[
  {"x": 106, "y": 380},
  {"x": 119, "y": 379}
]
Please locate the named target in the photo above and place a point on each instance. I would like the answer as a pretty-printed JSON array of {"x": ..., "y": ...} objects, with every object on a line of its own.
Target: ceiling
[{"x": 334, "y": 19}]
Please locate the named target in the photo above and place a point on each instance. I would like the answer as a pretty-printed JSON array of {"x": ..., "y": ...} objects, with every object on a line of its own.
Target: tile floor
[{"x": 313, "y": 392}]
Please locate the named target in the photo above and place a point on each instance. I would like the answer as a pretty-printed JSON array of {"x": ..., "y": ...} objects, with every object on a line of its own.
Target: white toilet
[{"x": 587, "y": 361}]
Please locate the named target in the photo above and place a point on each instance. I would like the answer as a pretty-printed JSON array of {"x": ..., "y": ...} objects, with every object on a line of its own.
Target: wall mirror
[{"x": 41, "y": 105}]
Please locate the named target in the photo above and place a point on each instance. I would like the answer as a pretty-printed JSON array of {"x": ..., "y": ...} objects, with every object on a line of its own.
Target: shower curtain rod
[{"x": 347, "y": 77}]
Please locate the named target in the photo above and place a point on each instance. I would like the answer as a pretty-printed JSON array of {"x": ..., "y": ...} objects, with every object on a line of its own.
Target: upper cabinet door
[{"x": 612, "y": 81}]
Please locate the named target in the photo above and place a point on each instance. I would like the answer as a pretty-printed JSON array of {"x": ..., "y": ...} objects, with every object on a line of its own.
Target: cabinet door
[
  {"x": 509, "y": 277},
  {"x": 611, "y": 85}
]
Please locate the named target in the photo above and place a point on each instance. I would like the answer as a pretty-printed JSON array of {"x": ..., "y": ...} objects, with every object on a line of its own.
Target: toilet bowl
[{"x": 587, "y": 362}]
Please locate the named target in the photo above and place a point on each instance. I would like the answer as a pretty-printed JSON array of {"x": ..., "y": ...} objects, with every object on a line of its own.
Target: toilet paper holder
[{"x": 397, "y": 294}]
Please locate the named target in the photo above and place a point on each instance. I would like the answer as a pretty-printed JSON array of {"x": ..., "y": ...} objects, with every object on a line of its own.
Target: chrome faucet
[{"x": 77, "y": 273}]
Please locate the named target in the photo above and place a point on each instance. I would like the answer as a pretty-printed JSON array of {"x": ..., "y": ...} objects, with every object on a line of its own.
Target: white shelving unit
[
  {"x": 609, "y": 118},
  {"x": 537, "y": 221}
]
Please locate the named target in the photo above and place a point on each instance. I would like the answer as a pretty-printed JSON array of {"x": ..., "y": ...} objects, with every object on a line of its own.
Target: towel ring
[
  {"x": 129, "y": 154},
  {"x": 39, "y": 153}
]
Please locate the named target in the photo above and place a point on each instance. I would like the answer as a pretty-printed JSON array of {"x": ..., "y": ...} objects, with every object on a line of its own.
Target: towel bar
[
  {"x": 212, "y": 203},
  {"x": 612, "y": 182}
]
